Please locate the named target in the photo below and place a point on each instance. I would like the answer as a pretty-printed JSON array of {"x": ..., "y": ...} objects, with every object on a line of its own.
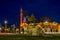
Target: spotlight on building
[
  {"x": 54, "y": 23},
  {"x": 46, "y": 21}
]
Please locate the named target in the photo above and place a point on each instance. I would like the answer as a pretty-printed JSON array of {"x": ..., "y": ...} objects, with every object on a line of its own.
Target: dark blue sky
[{"x": 10, "y": 9}]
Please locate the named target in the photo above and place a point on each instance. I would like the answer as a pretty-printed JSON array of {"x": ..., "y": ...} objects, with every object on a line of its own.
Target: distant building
[{"x": 46, "y": 25}]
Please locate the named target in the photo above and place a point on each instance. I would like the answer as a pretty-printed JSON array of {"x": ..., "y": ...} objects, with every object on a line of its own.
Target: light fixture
[{"x": 5, "y": 22}]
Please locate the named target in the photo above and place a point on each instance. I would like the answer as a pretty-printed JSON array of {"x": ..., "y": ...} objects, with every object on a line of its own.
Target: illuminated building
[
  {"x": 46, "y": 25},
  {"x": 58, "y": 27},
  {"x": 43, "y": 19}
]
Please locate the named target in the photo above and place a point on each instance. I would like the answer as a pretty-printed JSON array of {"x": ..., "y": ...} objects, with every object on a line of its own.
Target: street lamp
[{"x": 5, "y": 22}]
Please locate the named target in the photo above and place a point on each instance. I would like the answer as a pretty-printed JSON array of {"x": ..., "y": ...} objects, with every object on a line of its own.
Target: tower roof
[{"x": 21, "y": 9}]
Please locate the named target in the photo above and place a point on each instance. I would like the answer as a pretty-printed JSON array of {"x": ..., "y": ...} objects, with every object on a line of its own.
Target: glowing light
[
  {"x": 46, "y": 21},
  {"x": 0, "y": 28},
  {"x": 54, "y": 23},
  {"x": 21, "y": 32},
  {"x": 5, "y": 22},
  {"x": 32, "y": 23},
  {"x": 21, "y": 25},
  {"x": 59, "y": 27},
  {"x": 39, "y": 25},
  {"x": 24, "y": 19}
]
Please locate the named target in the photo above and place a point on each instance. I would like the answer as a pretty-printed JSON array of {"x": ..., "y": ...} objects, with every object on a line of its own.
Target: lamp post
[{"x": 5, "y": 22}]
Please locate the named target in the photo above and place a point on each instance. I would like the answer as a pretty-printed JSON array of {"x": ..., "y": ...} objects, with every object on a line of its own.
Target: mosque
[{"x": 47, "y": 27}]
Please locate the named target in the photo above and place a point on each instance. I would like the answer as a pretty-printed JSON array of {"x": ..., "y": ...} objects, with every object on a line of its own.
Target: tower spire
[
  {"x": 21, "y": 10},
  {"x": 21, "y": 16}
]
